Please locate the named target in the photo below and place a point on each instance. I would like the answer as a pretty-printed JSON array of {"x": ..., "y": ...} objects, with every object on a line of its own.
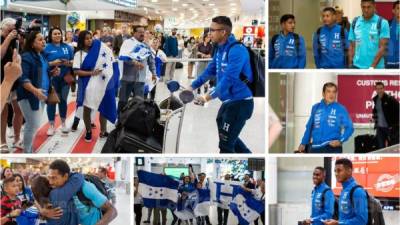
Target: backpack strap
[
  {"x": 318, "y": 41},
  {"x": 353, "y": 24},
  {"x": 343, "y": 39},
  {"x": 297, "y": 42},
  {"x": 273, "y": 41},
  {"x": 352, "y": 192},
  {"x": 242, "y": 76},
  {"x": 323, "y": 195},
  {"x": 378, "y": 26}
]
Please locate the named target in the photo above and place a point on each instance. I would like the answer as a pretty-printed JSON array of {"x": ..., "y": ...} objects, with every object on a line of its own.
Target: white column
[
  {"x": 271, "y": 180},
  {"x": 307, "y": 92}
]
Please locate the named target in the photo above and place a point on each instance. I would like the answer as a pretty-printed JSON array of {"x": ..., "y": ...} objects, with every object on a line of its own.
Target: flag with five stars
[
  {"x": 157, "y": 190},
  {"x": 245, "y": 207},
  {"x": 98, "y": 92}
]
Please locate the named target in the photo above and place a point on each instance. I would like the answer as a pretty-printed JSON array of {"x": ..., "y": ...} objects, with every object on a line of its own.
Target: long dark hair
[
  {"x": 81, "y": 39},
  {"x": 30, "y": 38},
  {"x": 50, "y": 39},
  {"x": 23, "y": 184},
  {"x": 4, "y": 171}
]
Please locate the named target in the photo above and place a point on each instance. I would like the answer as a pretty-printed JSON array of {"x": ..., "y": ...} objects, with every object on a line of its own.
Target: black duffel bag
[
  {"x": 140, "y": 116},
  {"x": 365, "y": 143}
]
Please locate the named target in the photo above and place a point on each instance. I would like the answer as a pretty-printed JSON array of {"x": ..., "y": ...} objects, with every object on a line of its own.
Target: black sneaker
[
  {"x": 75, "y": 124},
  {"x": 104, "y": 135},
  {"x": 88, "y": 137}
]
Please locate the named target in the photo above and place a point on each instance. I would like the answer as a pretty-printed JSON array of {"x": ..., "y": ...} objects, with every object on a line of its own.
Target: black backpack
[
  {"x": 257, "y": 63},
  {"x": 100, "y": 186},
  {"x": 336, "y": 205},
  {"x": 343, "y": 39},
  {"x": 375, "y": 215},
  {"x": 139, "y": 116}
]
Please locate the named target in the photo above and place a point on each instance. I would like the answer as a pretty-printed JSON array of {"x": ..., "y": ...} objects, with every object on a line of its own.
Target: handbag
[{"x": 53, "y": 98}]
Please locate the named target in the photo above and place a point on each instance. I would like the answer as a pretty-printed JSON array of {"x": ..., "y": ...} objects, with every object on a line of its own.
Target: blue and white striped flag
[
  {"x": 245, "y": 207},
  {"x": 29, "y": 216},
  {"x": 98, "y": 92},
  {"x": 158, "y": 191},
  {"x": 132, "y": 49},
  {"x": 203, "y": 203}
]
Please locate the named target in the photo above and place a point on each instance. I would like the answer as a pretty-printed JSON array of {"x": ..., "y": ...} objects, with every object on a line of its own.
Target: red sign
[
  {"x": 380, "y": 176},
  {"x": 355, "y": 92},
  {"x": 249, "y": 30},
  {"x": 384, "y": 8}
]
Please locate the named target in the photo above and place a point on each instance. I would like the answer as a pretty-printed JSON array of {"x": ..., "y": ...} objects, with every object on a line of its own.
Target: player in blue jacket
[
  {"x": 330, "y": 43},
  {"x": 287, "y": 49},
  {"x": 230, "y": 63},
  {"x": 323, "y": 199},
  {"x": 324, "y": 128},
  {"x": 352, "y": 211},
  {"x": 392, "y": 58}
]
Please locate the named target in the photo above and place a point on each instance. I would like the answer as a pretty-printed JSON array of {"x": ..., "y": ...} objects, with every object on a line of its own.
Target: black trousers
[
  {"x": 222, "y": 216},
  {"x": 138, "y": 213}
]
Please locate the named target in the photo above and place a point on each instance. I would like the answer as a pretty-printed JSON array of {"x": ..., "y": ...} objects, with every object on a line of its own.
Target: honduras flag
[
  {"x": 132, "y": 49},
  {"x": 224, "y": 192},
  {"x": 158, "y": 191},
  {"x": 202, "y": 206},
  {"x": 245, "y": 207},
  {"x": 98, "y": 92},
  {"x": 186, "y": 204},
  {"x": 29, "y": 216}
]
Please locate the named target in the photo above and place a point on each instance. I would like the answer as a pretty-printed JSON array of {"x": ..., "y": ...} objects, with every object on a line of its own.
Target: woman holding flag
[{"x": 98, "y": 73}]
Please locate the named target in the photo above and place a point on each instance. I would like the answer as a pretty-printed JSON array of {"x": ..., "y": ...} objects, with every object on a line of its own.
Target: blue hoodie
[
  {"x": 326, "y": 123},
  {"x": 63, "y": 197},
  {"x": 392, "y": 58},
  {"x": 347, "y": 214},
  {"x": 284, "y": 53},
  {"x": 330, "y": 53},
  {"x": 321, "y": 212},
  {"x": 227, "y": 69}
]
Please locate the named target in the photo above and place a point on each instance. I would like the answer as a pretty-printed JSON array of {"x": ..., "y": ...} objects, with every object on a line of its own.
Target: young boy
[
  {"x": 330, "y": 43},
  {"x": 10, "y": 204},
  {"x": 287, "y": 50}
]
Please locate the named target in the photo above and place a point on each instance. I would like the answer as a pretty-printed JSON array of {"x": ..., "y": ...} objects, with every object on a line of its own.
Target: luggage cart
[{"x": 171, "y": 108}]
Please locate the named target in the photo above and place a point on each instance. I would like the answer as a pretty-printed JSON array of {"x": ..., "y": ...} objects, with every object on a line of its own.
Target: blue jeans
[
  {"x": 62, "y": 90},
  {"x": 326, "y": 149},
  {"x": 231, "y": 119},
  {"x": 128, "y": 87},
  {"x": 32, "y": 122}
]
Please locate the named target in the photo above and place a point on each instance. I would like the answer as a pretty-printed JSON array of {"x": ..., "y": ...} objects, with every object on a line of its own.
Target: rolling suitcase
[{"x": 365, "y": 143}]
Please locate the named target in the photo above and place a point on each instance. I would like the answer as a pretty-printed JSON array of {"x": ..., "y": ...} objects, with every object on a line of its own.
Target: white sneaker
[
  {"x": 51, "y": 131},
  {"x": 64, "y": 128},
  {"x": 10, "y": 132},
  {"x": 18, "y": 145}
]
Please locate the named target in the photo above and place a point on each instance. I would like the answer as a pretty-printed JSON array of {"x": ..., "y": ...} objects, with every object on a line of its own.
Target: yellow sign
[{"x": 81, "y": 26}]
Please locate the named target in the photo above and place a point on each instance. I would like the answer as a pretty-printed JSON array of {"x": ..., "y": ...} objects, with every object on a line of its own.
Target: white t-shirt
[{"x": 79, "y": 57}]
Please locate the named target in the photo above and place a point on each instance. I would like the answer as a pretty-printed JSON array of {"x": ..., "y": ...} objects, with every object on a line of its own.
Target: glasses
[{"x": 213, "y": 30}]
